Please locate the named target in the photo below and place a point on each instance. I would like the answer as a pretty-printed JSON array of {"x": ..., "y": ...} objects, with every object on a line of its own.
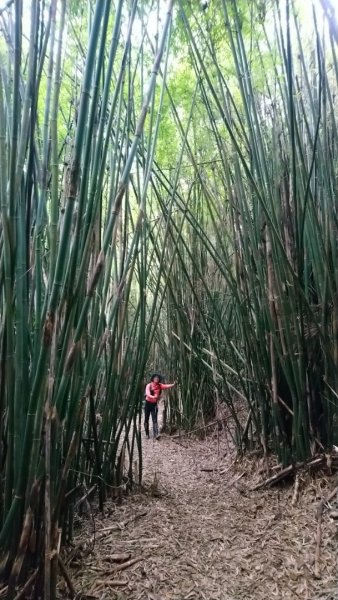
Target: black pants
[{"x": 150, "y": 408}]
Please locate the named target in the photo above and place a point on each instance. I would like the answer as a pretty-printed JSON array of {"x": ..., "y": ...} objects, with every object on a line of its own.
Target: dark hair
[{"x": 156, "y": 375}]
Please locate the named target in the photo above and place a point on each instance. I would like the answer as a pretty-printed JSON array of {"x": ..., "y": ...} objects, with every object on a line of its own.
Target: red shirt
[{"x": 153, "y": 391}]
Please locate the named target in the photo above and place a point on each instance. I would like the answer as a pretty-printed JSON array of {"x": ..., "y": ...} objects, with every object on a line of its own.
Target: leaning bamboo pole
[
  {"x": 72, "y": 284},
  {"x": 270, "y": 170}
]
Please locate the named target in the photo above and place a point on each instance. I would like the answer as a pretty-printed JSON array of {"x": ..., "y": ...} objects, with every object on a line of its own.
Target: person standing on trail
[{"x": 152, "y": 395}]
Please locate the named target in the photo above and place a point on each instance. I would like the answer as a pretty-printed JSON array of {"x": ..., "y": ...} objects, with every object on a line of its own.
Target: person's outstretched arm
[{"x": 167, "y": 386}]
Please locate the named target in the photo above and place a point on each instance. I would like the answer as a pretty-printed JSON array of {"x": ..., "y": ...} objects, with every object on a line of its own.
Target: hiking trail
[{"x": 196, "y": 531}]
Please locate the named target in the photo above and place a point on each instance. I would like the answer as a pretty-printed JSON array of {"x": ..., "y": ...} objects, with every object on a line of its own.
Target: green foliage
[
  {"x": 255, "y": 264},
  {"x": 73, "y": 338},
  {"x": 189, "y": 228}
]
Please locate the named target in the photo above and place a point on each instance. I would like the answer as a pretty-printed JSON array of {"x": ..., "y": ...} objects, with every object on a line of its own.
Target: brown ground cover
[{"x": 196, "y": 530}]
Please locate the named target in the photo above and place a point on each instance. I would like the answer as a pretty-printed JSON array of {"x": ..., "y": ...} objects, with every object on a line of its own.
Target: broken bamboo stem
[
  {"x": 313, "y": 462},
  {"x": 22, "y": 593},
  {"x": 66, "y": 577}
]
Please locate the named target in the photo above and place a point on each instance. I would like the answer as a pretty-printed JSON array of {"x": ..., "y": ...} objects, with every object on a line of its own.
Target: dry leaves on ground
[{"x": 196, "y": 531}]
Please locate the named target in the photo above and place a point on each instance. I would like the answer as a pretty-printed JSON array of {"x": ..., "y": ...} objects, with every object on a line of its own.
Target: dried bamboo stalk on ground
[
  {"x": 122, "y": 557},
  {"x": 22, "y": 593},
  {"x": 295, "y": 491},
  {"x": 127, "y": 564},
  {"x": 66, "y": 577},
  {"x": 314, "y": 462}
]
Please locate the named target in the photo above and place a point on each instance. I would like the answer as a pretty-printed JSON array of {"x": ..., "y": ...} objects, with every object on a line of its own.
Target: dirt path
[{"x": 205, "y": 535}]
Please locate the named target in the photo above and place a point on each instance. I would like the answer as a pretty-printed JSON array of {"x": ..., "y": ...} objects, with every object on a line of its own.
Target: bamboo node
[
  {"x": 48, "y": 329},
  {"x": 97, "y": 272}
]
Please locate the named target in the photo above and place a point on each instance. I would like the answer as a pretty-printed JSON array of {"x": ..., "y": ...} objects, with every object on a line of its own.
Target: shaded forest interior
[{"x": 168, "y": 198}]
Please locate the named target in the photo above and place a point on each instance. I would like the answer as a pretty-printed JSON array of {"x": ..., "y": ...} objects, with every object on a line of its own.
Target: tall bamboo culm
[
  {"x": 253, "y": 287},
  {"x": 75, "y": 160}
]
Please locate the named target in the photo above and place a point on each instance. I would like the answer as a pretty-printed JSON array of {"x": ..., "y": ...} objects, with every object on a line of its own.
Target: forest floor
[{"x": 195, "y": 530}]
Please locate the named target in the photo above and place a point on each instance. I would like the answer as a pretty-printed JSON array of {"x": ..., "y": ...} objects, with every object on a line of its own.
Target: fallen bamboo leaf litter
[{"x": 206, "y": 539}]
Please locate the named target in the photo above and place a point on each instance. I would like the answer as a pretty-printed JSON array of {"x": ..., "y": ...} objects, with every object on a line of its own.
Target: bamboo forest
[{"x": 169, "y": 299}]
